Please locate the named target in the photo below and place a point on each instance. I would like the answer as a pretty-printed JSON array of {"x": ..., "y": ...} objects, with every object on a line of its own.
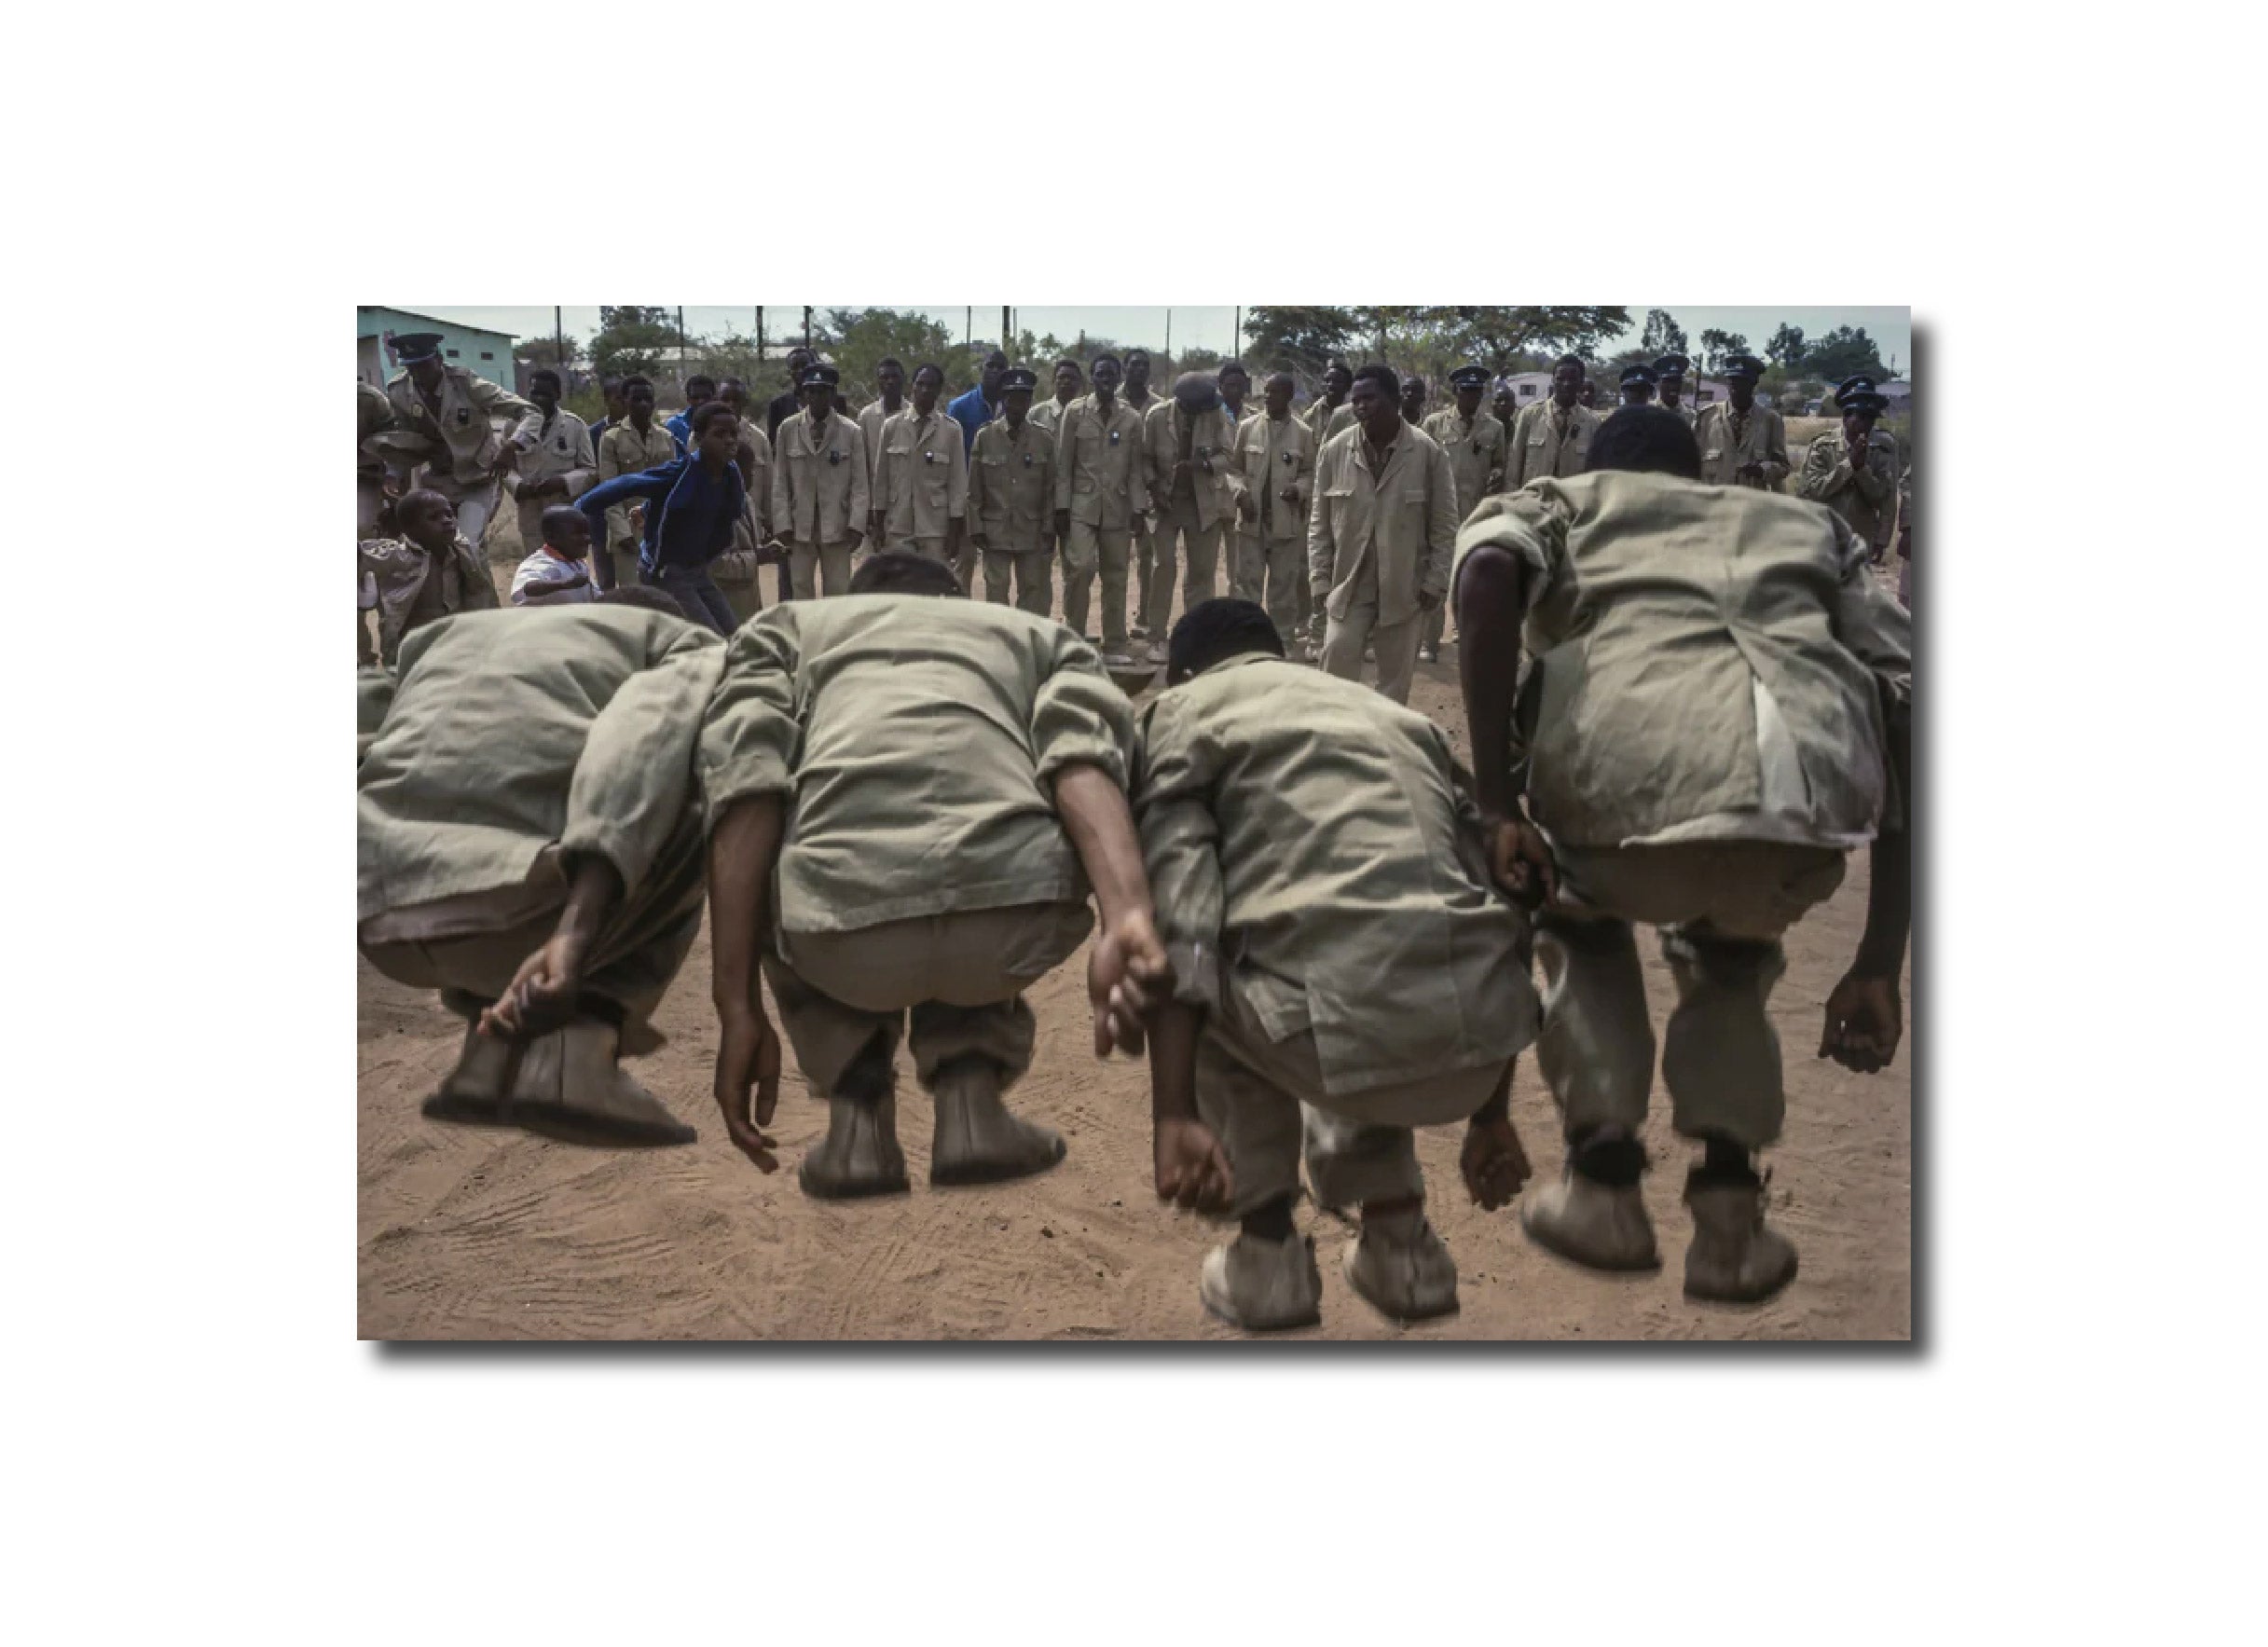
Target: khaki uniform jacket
[
  {"x": 1661, "y": 615},
  {"x": 1101, "y": 473},
  {"x": 513, "y": 738},
  {"x": 1341, "y": 417},
  {"x": 921, "y": 477},
  {"x": 871, "y": 418},
  {"x": 402, "y": 570},
  {"x": 1864, "y": 495},
  {"x": 738, "y": 564},
  {"x": 1537, "y": 451},
  {"x": 1212, "y": 454},
  {"x": 821, "y": 490},
  {"x": 1476, "y": 454},
  {"x": 1049, "y": 414},
  {"x": 1012, "y": 487},
  {"x": 461, "y": 443},
  {"x": 562, "y": 451},
  {"x": 1407, "y": 517},
  {"x": 917, "y": 741},
  {"x": 1684, "y": 409},
  {"x": 1311, "y": 853},
  {"x": 1764, "y": 439},
  {"x": 1270, "y": 456},
  {"x": 622, "y": 450}
]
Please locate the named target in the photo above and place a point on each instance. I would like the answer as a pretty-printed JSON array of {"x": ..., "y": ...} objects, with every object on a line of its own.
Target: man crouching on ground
[
  {"x": 531, "y": 846},
  {"x": 1341, "y": 963},
  {"x": 909, "y": 798}
]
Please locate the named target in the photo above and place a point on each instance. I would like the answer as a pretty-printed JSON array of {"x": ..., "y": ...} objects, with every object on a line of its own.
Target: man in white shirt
[{"x": 558, "y": 572}]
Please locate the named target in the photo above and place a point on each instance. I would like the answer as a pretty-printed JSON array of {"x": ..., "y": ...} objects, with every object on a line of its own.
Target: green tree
[
  {"x": 1786, "y": 347},
  {"x": 1842, "y": 352},
  {"x": 859, "y": 340},
  {"x": 633, "y": 338},
  {"x": 1297, "y": 339},
  {"x": 1662, "y": 335},
  {"x": 1717, "y": 345},
  {"x": 1496, "y": 338},
  {"x": 546, "y": 352}
]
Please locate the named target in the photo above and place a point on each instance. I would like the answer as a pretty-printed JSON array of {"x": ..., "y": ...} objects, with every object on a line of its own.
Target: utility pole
[
  {"x": 1236, "y": 338},
  {"x": 558, "y": 342},
  {"x": 806, "y": 326},
  {"x": 968, "y": 328},
  {"x": 1005, "y": 330},
  {"x": 680, "y": 339},
  {"x": 1169, "y": 335},
  {"x": 759, "y": 334}
]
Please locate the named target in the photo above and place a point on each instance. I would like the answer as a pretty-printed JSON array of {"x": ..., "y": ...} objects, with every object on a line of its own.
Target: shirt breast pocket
[{"x": 1535, "y": 440}]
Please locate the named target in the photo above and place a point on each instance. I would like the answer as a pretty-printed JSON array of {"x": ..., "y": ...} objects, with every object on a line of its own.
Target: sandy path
[{"x": 472, "y": 1234}]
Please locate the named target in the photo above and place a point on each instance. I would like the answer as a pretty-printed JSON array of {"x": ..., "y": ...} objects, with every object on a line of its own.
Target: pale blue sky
[{"x": 1198, "y": 325}]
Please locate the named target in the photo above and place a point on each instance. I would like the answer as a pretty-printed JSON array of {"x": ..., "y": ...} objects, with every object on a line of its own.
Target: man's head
[
  {"x": 799, "y": 359},
  {"x": 1235, "y": 383},
  {"x": 1377, "y": 399},
  {"x": 1337, "y": 378},
  {"x": 1470, "y": 382},
  {"x": 890, "y": 379},
  {"x": 609, "y": 391},
  {"x": 1506, "y": 404},
  {"x": 1860, "y": 408},
  {"x": 643, "y": 595},
  {"x": 566, "y": 531},
  {"x": 733, "y": 393},
  {"x": 1637, "y": 386},
  {"x": 1196, "y": 393},
  {"x": 1588, "y": 394},
  {"x": 637, "y": 398},
  {"x": 815, "y": 386},
  {"x": 1647, "y": 440},
  {"x": 419, "y": 353},
  {"x": 1277, "y": 391},
  {"x": 1741, "y": 375},
  {"x": 1138, "y": 368},
  {"x": 427, "y": 520},
  {"x": 1413, "y": 397},
  {"x": 994, "y": 365},
  {"x": 543, "y": 389},
  {"x": 716, "y": 430},
  {"x": 929, "y": 383},
  {"x": 1670, "y": 377},
  {"x": 1068, "y": 379},
  {"x": 900, "y": 572},
  {"x": 1214, "y": 631},
  {"x": 699, "y": 389},
  {"x": 1107, "y": 373},
  {"x": 1567, "y": 381},
  {"x": 1016, "y": 386}
]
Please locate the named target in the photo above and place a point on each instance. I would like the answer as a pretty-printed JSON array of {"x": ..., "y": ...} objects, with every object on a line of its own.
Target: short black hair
[
  {"x": 1143, "y": 352},
  {"x": 1067, "y": 361},
  {"x": 1646, "y": 440},
  {"x": 729, "y": 383},
  {"x": 997, "y": 354},
  {"x": 611, "y": 383},
  {"x": 1213, "y": 630},
  {"x": 929, "y": 366},
  {"x": 1237, "y": 366},
  {"x": 644, "y": 595},
  {"x": 1380, "y": 373},
  {"x": 1570, "y": 360},
  {"x": 636, "y": 381},
  {"x": 1105, "y": 355},
  {"x": 559, "y": 516},
  {"x": 700, "y": 381},
  {"x": 708, "y": 412},
  {"x": 542, "y": 373},
  {"x": 900, "y": 572},
  {"x": 889, "y": 360}
]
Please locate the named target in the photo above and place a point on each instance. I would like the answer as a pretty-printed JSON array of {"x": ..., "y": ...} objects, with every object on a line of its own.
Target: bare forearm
[
  {"x": 1173, "y": 1029},
  {"x": 1489, "y": 610},
  {"x": 740, "y": 852},
  {"x": 593, "y": 894},
  {"x": 1095, "y": 816},
  {"x": 1889, "y": 893}
]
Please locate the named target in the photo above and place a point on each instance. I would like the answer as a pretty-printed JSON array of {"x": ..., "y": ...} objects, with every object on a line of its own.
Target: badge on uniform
[
  {"x": 465, "y": 414},
  {"x": 1290, "y": 458},
  {"x": 1027, "y": 460},
  {"x": 1114, "y": 437},
  {"x": 834, "y": 456},
  {"x": 927, "y": 456}
]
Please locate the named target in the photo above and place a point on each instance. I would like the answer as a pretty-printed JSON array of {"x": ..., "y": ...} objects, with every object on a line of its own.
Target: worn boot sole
[
  {"x": 1222, "y": 1313},
  {"x": 597, "y": 1131},
  {"x": 1746, "y": 1294},
  {"x": 1393, "y": 1312},
  {"x": 463, "y": 1110},
  {"x": 820, "y": 1188},
  {"x": 1548, "y": 1238},
  {"x": 992, "y": 1171}
]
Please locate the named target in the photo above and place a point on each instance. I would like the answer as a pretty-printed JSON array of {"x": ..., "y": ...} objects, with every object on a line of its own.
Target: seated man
[
  {"x": 531, "y": 846},
  {"x": 909, "y": 800},
  {"x": 425, "y": 574},
  {"x": 1338, "y": 951},
  {"x": 1716, "y": 714}
]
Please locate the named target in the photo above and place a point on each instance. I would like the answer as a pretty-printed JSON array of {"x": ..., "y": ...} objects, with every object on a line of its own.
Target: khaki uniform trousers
[
  {"x": 1396, "y": 644},
  {"x": 1264, "y": 1101},
  {"x": 810, "y": 566},
  {"x": 1721, "y": 907},
  {"x": 1145, "y": 562},
  {"x": 1083, "y": 549},
  {"x": 1274, "y": 575},
  {"x": 1180, "y": 537},
  {"x": 1435, "y": 622},
  {"x": 1033, "y": 573},
  {"x": 845, "y": 998}
]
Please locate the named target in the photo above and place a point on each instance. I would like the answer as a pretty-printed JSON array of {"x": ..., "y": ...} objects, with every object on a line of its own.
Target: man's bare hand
[
  {"x": 542, "y": 992},
  {"x": 1245, "y": 508},
  {"x": 1128, "y": 978},
  {"x": 1863, "y": 1023},
  {"x": 1192, "y": 1168},
  {"x": 748, "y": 1055},
  {"x": 1494, "y": 1163},
  {"x": 1520, "y": 862}
]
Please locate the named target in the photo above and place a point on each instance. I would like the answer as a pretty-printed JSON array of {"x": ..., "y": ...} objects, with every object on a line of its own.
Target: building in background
[
  {"x": 484, "y": 354},
  {"x": 1530, "y": 387}
]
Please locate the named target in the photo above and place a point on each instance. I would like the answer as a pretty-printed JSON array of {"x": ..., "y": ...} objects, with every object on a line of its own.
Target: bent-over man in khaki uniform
[
  {"x": 1553, "y": 437},
  {"x": 637, "y": 444},
  {"x": 1273, "y": 478},
  {"x": 1474, "y": 441},
  {"x": 531, "y": 846},
  {"x": 1864, "y": 492},
  {"x": 1101, "y": 492},
  {"x": 1343, "y": 968},
  {"x": 1012, "y": 499},
  {"x": 1379, "y": 536},
  {"x": 1191, "y": 442},
  {"x": 442, "y": 415},
  {"x": 1713, "y": 719},
  {"x": 910, "y": 799},
  {"x": 560, "y": 467},
  {"x": 819, "y": 487},
  {"x": 1741, "y": 443},
  {"x": 921, "y": 480}
]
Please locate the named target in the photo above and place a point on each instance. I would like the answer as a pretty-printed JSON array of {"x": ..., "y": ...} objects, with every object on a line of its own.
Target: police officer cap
[
  {"x": 1858, "y": 383},
  {"x": 412, "y": 347},
  {"x": 1638, "y": 375},
  {"x": 1469, "y": 378},
  {"x": 1017, "y": 377},
  {"x": 1743, "y": 365},
  {"x": 1859, "y": 400},
  {"x": 1671, "y": 366},
  {"x": 821, "y": 373},
  {"x": 1195, "y": 392}
]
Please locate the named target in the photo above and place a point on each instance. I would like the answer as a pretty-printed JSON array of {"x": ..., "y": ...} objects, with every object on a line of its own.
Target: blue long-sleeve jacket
[{"x": 689, "y": 517}]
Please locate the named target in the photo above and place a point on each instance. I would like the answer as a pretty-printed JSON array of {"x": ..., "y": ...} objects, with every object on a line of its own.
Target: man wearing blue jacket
[
  {"x": 692, "y": 503},
  {"x": 980, "y": 404}
]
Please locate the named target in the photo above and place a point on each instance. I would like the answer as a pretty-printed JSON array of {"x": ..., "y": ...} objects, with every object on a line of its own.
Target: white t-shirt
[{"x": 530, "y": 584}]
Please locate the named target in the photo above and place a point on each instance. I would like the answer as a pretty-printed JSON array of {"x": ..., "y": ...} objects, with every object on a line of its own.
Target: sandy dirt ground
[{"x": 468, "y": 1234}]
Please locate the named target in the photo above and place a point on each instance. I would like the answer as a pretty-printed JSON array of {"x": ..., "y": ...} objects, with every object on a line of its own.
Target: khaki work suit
[
  {"x": 1145, "y": 534},
  {"x": 1011, "y": 506},
  {"x": 1476, "y": 455},
  {"x": 1322, "y": 891},
  {"x": 1195, "y": 515},
  {"x": 374, "y": 414},
  {"x": 1544, "y": 444},
  {"x": 921, "y": 488},
  {"x": 1378, "y": 545},
  {"x": 1271, "y": 563},
  {"x": 414, "y": 589},
  {"x": 562, "y": 451},
  {"x": 821, "y": 487},
  {"x": 738, "y": 571},
  {"x": 1704, "y": 729},
  {"x": 1049, "y": 415},
  {"x": 923, "y": 869},
  {"x": 871, "y": 417},
  {"x": 1865, "y": 495},
  {"x": 622, "y": 450},
  {"x": 457, "y": 439},
  {"x": 584, "y": 722},
  {"x": 1101, "y": 480},
  {"x": 1730, "y": 440}
]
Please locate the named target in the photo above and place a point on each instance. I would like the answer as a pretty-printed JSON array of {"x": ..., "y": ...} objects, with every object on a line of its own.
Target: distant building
[
  {"x": 1527, "y": 387},
  {"x": 483, "y": 353}
]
